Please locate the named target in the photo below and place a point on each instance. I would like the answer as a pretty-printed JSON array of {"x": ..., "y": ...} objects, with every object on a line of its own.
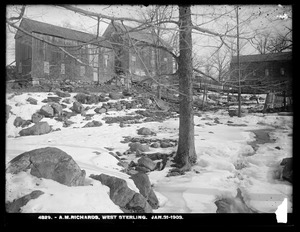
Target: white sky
[{"x": 264, "y": 17}]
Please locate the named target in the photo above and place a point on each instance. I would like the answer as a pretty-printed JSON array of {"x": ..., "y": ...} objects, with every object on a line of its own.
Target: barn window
[
  {"x": 133, "y": 58},
  {"x": 267, "y": 72},
  {"x": 20, "y": 68},
  {"x": 165, "y": 59},
  {"x": 282, "y": 71},
  {"x": 106, "y": 57},
  {"x": 152, "y": 58},
  {"x": 82, "y": 71},
  {"x": 133, "y": 64},
  {"x": 62, "y": 69},
  {"x": 46, "y": 67}
]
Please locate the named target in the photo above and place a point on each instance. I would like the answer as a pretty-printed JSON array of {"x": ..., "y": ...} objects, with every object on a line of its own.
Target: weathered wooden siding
[
  {"x": 141, "y": 64},
  {"x": 23, "y": 54},
  {"x": 63, "y": 66},
  {"x": 106, "y": 64},
  {"x": 144, "y": 63},
  {"x": 266, "y": 74}
]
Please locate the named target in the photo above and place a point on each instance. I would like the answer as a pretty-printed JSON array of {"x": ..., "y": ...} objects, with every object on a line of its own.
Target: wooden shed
[
  {"x": 262, "y": 73},
  {"x": 77, "y": 56}
]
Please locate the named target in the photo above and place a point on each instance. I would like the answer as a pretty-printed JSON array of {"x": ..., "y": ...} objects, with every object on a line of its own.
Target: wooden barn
[
  {"x": 142, "y": 59},
  {"x": 263, "y": 73},
  {"x": 80, "y": 56}
]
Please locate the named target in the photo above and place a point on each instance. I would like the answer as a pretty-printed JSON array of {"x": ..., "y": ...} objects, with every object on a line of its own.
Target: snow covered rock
[
  {"x": 39, "y": 128},
  {"x": 145, "y": 131},
  {"x": 155, "y": 145},
  {"x": 53, "y": 99},
  {"x": 77, "y": 107},
  {"x": 92, "y": 99},
  {"x": 100, "y": 110},
  {"x": 32, "y": 101},
  {"x": 138, "y": 147},
  {"x": 162, "y": 104},
  {"x": 142, "y": 182},
  {"x": 233, "y": 205},
  {"x": 57, "y": 108},
  {"x": 8, "y": 109},
  {"x": 67, "y": 100},
  {"x": 15, "y": 206},
  {"x": 93, "y": 124},
  {"x": 62, "y": 93},
  {"x": 123, "y": 196},
  {"x": 115, "y": 96},
  {"x": 47, "y": 111},
  {"x": 19, "y": 122},
  {"x": 81, "y": 97},
  {"x": 164, "y": 144},
  {"x": 50, "y": 163},
  {"x": 147, "y": 163},
  {"x": 287, "y": 173},
  {"x": 36, "y": 117}
]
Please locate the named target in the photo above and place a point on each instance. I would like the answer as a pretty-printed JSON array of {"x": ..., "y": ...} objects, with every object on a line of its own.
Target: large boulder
[
  {"x": 147, "y": 163},
  {"x": 47, "y": 111},
  {"x": 123, "y": 196},
  {"x": 57, "y": 108},
  {"x": 138, "y": 204},
  {"x": 39, "y": 128},
  {"x": 16, "y": 205},
  {"x": 50, "y": 163},
  {"x": 142, "y": 182},
  {"x": 287, "y": 172}
]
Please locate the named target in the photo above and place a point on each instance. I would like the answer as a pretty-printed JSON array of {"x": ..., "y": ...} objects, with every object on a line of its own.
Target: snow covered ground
[{"x": 225, "y": 162}]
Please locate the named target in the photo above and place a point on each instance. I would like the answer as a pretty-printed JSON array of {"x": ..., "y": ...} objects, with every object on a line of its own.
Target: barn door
[
  {"x": 95, "y": 75},
  {"x": 93, "y": 61}
]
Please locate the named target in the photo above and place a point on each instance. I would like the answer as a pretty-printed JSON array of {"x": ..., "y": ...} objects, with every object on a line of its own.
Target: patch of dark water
[
  {"x": 233, "y": 205},
  {"x": 262, "y": 136}
]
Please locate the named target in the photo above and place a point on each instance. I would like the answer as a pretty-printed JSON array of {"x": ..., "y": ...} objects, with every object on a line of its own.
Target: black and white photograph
[{"x": 149, "y": 112}]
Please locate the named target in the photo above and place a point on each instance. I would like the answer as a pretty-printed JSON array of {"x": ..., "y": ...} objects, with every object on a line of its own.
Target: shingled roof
[
  {"x": 263, "y": 57},
  {"x": 62, "y": 32}
]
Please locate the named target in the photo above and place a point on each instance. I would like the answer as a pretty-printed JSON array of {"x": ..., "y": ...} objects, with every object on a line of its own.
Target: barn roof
[
  {"x": 263, "y": 57},
  {"x": 62, "y": 32},
  {"x": 140, "y": 34}
]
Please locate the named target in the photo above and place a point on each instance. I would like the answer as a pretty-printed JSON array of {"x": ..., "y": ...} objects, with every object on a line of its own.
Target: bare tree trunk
[
  {"x": 186, "y": 154},
  {"x": 204, "y": 93}
]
